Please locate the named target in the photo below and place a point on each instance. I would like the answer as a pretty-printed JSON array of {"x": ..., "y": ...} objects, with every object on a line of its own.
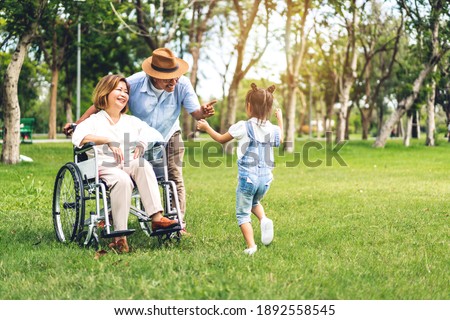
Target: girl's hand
[
  {"x": 278, "y": 114},
  {"x": 202, "y": 125}
]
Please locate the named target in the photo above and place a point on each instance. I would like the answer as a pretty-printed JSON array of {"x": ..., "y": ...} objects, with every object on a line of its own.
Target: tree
[
  {"x": 443, "y": 91},
  {"x": 201, "y": 15},
  {"x": 295, "y": 41},
  {"x": 161, "y": 22},
  {"x": 106, "y": 47},
  {"x": 54, "y": 40},
  {"x": 379, "y": 38},
  {"x": 29, "y": 85},
  {"x": 246, "y": 19},
  {"x": 349, "y": 72},
  {"x": 431, "y": 124},
  {"x": 328, "y": 74},
  {"x": 161, "y": 25},
  {"x": 424, "y": 20},
  {"x": 25, "y": 16},
  {"x": 220, "y": 34},
  {"x": 110, "y": 49}
]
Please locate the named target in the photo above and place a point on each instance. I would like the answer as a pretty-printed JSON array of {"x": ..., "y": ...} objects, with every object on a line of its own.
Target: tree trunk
[
  {"x": 302, "y": 111},
  {"x": 11, "y": 133},
  {"x": 294, "y": 59},
  {"x": 431, "y": 126},
  {"x": 320, "y": 123},
  {"x": 329, "y": 117},
  {"x": 55, "y": 60},
  {"x": 187, "y": 119},
  {"x": 380, "y": 119},
  {"x": 68, "y": 98},
  {"x": 344, "y": 99},
  {"x": 407, "y": 103},
  {"x": 232, "y": 103},
  {"x": 366, "y": 115},
  {"x": 347, "y": 123},
  {"x": 231, "y": 112},
  {"x": 197, "y": 29},
  {"x": 290, "y": 120},
  {"x": 68, "y": 109},
  {"x": 245, "y": 26},
  {"x": 53, "y": 96},
  {"x": 404, "y": 105},
  {"x": 349, "y": 74},
  {"x": 409, "y": 122}
]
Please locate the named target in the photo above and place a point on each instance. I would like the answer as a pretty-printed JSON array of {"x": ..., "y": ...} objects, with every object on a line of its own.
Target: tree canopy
[{"x": 342, "y": 59}]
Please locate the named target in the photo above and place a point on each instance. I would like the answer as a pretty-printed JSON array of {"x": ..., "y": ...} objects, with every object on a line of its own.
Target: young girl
[{"x": 256, "y": 138}]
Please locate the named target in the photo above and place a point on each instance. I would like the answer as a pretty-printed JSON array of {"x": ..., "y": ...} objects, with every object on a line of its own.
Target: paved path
[
  {"x": 51, "y": 140},
  {"x": 47, "y": 141}
]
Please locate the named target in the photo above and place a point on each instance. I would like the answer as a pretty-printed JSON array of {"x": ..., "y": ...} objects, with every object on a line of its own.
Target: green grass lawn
[{"x": 377, "y": 228}]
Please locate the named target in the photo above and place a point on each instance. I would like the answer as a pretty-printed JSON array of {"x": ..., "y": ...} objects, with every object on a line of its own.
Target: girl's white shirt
[{"x": 264, "y": 132}]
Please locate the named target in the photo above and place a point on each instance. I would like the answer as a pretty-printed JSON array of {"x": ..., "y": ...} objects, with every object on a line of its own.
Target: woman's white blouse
[{"x": 128, "y": 132}]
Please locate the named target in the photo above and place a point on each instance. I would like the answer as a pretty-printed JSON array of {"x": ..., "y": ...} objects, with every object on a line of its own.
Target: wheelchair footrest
[
  {"x": 159, "y": 232},
  {"x": 119, "y": 233}
]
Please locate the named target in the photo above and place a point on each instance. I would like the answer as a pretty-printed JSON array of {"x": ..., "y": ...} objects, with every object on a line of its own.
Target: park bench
[{"x": 26, "y": 130}]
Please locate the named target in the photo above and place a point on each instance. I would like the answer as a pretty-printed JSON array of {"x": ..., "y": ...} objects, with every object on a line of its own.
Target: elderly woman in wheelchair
[{"x": 120, "y": 141}]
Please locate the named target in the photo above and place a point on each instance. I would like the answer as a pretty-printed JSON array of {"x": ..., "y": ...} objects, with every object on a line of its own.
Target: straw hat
[{"x": 164, "y": 65}]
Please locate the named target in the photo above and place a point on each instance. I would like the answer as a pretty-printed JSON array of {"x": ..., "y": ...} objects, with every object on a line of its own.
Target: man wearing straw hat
[{"x": 156, "y": 96}]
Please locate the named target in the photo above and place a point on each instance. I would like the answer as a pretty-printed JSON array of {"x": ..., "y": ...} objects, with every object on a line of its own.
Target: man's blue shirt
[{"x": 163, "y": 113}]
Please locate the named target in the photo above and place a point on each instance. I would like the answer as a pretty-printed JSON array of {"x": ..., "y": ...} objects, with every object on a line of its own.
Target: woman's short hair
[{"x": 104, "y": 87}]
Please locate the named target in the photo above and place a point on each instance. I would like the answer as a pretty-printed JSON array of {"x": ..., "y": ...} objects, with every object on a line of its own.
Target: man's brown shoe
[{"x": 163, "y": 223}]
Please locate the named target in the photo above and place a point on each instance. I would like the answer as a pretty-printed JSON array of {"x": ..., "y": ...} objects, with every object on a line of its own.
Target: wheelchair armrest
[
  {"x": 84, "y": 148},
  {"x": 158, "y": 144}
]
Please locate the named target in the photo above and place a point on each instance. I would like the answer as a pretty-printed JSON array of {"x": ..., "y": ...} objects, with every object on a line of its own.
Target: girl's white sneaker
[
  {"x": 251, "y": 250},
  {"x": 266, "y": 231}
]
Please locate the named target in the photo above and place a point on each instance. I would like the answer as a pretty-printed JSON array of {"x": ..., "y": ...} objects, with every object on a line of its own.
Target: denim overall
[{"x": 255, "y": 174}]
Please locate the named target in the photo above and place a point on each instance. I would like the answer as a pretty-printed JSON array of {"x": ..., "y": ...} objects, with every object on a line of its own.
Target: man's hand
[
  {"x": 68, "y": 129},
  {"x": 208, "y": 109}
]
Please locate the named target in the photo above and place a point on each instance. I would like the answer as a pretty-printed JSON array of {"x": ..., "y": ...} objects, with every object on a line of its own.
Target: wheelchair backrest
[{"x": 86, "y": 160}]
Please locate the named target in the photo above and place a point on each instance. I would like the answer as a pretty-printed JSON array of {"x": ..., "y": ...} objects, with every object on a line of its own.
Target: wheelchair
[{"x": 81, "y": 206}]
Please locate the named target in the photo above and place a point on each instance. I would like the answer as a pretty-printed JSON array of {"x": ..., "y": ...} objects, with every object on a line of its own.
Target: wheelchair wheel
[
  {"x": 137, "y": 203},
  {"x": 68, "y": 203},
  {"x": 146, "y": 227},
  {"x": 93, "y": 242}
]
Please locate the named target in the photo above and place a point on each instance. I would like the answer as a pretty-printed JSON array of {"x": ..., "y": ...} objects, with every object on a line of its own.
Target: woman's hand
[
  {"x": 117, "y": 152},
  {"x": 139, "y": 151}
]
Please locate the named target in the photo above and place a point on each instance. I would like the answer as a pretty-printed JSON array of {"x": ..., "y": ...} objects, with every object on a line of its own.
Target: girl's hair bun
[
  {"x": 254, "y": 87},
  {"x": 271, "y": 89}
]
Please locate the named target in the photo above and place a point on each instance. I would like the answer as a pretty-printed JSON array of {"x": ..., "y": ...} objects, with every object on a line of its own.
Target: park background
[{"x": 374, "y": 73}]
